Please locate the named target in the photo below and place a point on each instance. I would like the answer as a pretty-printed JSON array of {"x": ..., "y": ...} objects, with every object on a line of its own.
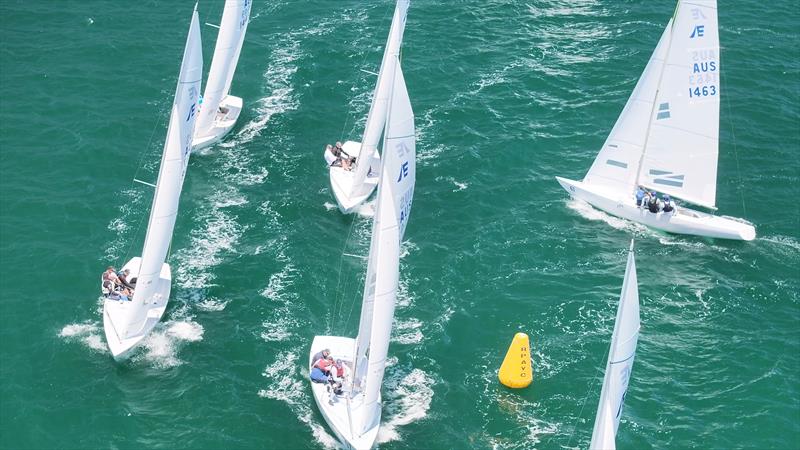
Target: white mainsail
[
  {"x": 620, "y": 361},
  {"x": 395, "y": 194},
  {"x": 682, "y": 149},
  {"x": 232, "y": 29},
  {"x": 174, "y": 161},
  {"x": 667, "y": 135},
  {"x": 376, "y": 118}
]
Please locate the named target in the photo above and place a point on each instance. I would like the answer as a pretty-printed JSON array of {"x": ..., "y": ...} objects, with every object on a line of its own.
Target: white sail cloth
[
  {"x": 620, "y": 361},
  {"x": 395, "y": 194},
  {"x": 376, "y": 118},
  {"x": 667, "y": 137},
  {"x": 232, "y": 29},
  {"x": 174, "y": 161}
]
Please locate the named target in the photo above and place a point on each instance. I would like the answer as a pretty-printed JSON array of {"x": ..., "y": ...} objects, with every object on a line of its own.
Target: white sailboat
[
  {"x": 126, "y": 323},
  {"x": 219, "y": 110},
  {"x": 352, "y": 187},
  {"x": 355, "y": 415},
  {"x": 620, "y": 362},
  {"x": 667, "y": 137}
]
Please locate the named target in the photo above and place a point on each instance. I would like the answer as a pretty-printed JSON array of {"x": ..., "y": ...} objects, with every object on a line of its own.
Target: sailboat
[
  {"x": 667, "y": 137},
  {"x": 620, "y": 362},
  {"x": 219, "y": 110},
  {"x": 126, "y": 323},
  {"x": 355, "y": 415},
  {"x": 352, "y": 187}
]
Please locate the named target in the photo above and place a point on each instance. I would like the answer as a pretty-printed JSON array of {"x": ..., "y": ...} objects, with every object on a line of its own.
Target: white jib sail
[
  {"x": 395, "y": 195},
  {"x": 620, "y": 361},
  {"x": 170, "y": 179},
  {"x": 681, "y": 154},
  {"x": 235, "y": 17},
  {"x": 617, "y": 164},
  {"x": 376, "y": 118}
]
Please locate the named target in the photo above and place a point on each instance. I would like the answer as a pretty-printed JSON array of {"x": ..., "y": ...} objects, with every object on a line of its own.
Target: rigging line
[
  {"x": 351, "y": 115},
  {"x": 338, "y": 296},
  {"x": 588, "y": 391},
  {"x": 735, "y": 150},
  {"x": 143, "y": 154}
]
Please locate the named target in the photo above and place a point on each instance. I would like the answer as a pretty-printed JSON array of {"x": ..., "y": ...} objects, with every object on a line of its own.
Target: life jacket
[{"x": 653, "y": 205}]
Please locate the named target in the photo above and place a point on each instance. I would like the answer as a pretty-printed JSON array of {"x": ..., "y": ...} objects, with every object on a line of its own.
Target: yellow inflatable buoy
[{"x": 517, "y": 371}]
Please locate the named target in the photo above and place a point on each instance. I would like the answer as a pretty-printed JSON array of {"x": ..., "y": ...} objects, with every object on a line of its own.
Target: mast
[
  {"x": 380, "y": 99},
  {"x": 395, "y": 194},
  {"x": 174, "y": 160}
]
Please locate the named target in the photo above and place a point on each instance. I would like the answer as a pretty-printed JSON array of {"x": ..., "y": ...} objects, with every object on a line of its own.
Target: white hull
[
  {"x": 337, "y": 415},
  {"x": 223, "y": 123},
  {"x": 681, "y": 221},
  {"x": 342, "y": 180},
  {"x": 118, "y": 311}
]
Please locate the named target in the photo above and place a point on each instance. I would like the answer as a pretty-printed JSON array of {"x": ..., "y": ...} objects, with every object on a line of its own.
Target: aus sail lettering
[
  {"x": 703, "y": 70},
  {"x": 404, "y": 207}
]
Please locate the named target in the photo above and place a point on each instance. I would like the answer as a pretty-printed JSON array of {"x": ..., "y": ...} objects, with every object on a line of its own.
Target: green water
[{"x": 507, "y": 95}]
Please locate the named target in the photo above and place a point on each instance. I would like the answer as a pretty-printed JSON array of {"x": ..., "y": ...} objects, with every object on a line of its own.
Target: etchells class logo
[
  {"x": 402, "y": 152},
  {"x": 699, "y": 30}
]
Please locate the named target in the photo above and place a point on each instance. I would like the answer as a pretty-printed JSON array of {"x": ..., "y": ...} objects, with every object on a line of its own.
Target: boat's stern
[
  {"x": 229, "y": 110},
  {"x": 347, "y": 198},
  {"x": 341, "y": 421},
  {"x": 118, "y": 314}
]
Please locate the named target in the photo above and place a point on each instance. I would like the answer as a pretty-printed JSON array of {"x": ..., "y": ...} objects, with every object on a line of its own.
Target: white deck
[
  {"x": 223, "y": 123},
  {"x": 681, "y": 221},
  {"x": 336, "y": 414},
  {"x": 117, "y": 311},
  {"x": 342, "y": 180}
]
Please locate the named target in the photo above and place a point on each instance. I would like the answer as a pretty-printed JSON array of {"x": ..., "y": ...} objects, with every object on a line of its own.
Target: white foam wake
[{"x": 285, "y": 383}]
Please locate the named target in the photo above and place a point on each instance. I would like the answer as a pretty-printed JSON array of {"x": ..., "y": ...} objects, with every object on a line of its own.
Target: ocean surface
[{"x": 507, "y": 95}]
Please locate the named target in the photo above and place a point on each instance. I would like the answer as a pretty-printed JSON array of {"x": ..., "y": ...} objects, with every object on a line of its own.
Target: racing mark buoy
[{"x": 516, "y": 371}]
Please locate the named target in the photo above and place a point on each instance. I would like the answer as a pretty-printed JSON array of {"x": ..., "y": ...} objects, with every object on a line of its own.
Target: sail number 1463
[{"x": 704, "y": 91}]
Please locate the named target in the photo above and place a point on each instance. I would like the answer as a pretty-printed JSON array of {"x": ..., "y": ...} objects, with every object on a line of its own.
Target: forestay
[
  {"x": 620, "y": 361},
  {"x": 174, "y": 161},
  {"x": 376, "y": 118},
  {"x": 680, "y": 157},
  {"x": 395, "y": 194},
  {"x": 235, "y": 17}
]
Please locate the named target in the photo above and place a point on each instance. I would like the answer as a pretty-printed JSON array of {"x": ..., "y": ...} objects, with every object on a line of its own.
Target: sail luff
[
  {"x": 233, "y": 26},
  {"x": 376, "y": 118},
  {"x": 175, "y": 158},
  {"x": 616, "y": 165},
  {"x": 652, "y": 115},
  {"x": 620, "y": 361}
]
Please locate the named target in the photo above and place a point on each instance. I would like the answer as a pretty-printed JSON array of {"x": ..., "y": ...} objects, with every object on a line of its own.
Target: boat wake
[
  {"x": 281, "y": 67},
  {"x": 88, "y": 333},
  {"x": 288, "y": 385},
  {"x": 161, "y": 346},
  {"x": 406, "y": 399},
  {"x": 159, "y": 349},
  {"x": 283, "y": 317},
  {"x": 217, "y": 236}
]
